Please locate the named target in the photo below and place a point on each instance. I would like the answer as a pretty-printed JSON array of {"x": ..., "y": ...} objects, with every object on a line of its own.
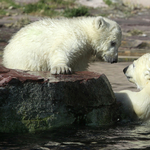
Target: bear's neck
[{"x": 147, "y": 88}]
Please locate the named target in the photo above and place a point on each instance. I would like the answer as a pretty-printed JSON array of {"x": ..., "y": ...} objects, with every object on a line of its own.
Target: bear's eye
[{"x": 113, "y": 43}]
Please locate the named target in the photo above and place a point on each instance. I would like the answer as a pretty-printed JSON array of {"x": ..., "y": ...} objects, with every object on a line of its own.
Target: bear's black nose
[
  {"x": 115, "y": 61},
  {"x": 125, "y": 69}
]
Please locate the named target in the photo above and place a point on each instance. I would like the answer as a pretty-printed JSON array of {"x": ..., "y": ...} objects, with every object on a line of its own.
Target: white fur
[
  {"x": 62, "y": 45},
  {"x": 137, "y": 102}
]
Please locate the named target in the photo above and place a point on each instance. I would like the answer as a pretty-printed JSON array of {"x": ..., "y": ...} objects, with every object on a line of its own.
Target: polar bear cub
[
  {"x": 137, "y": 103},
  {"x": 62, "y": 45}
]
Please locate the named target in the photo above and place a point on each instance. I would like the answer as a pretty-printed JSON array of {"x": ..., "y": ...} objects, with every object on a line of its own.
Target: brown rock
[{"x": 33, "y": 101}]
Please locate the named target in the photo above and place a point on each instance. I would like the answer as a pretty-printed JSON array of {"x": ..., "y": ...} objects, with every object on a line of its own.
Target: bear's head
[
  {"x": 108, "y": 39},
  {"x": 139, "y": 71}
]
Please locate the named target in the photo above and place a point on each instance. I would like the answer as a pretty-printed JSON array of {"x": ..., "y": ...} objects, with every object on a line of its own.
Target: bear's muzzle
[{"x": 110, "y": 59}]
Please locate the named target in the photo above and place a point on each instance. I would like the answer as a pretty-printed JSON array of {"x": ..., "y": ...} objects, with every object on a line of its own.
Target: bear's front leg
[{"x": 59, "y": 63}]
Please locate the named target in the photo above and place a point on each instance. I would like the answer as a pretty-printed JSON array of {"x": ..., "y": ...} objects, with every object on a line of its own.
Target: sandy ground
[{"x": 114, "y": 73}]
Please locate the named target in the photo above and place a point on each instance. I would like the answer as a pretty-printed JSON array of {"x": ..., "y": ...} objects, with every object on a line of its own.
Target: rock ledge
[{"x": 32, "y": 101}]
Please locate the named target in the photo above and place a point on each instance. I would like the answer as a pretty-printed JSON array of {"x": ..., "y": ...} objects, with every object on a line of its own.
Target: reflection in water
[{"x": 119, "y": 137}]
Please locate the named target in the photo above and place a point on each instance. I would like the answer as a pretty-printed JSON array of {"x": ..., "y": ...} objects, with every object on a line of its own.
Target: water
[{"x": 120, "y": 137}]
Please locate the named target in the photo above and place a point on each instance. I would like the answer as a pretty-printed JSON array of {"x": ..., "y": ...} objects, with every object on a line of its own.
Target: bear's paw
[{"x": 63, "y": 69}]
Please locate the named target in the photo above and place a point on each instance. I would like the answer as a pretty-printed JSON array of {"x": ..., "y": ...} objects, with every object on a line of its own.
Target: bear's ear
[
  {"x": 147, "y": 74},
  {"x": 99, "y": 22}
]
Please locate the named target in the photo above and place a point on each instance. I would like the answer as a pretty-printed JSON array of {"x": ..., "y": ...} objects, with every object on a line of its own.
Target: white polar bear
[
  {"x": 137, "y": 104},
  {"x": 63, "y": 45}
]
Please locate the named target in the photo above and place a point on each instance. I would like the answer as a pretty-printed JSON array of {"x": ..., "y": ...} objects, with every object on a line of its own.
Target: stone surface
[
  {"x": 32, "y": 101},
  {"x": 92, "y": 3},
  {"x": 10, "y": 76},
  {"x": 136, "y": 3}
]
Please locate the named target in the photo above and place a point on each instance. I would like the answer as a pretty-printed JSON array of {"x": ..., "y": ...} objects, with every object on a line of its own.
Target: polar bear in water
[{"x": 137, "y": 104}]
